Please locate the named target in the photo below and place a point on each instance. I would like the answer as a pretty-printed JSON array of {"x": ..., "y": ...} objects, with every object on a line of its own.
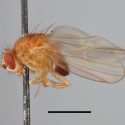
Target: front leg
[{"x": 19, "y": 69}]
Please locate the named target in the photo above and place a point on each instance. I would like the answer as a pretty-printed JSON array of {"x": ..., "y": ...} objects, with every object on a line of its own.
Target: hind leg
[
  {"x": 42, "y": 77},
  {"x": 63, "y": 84}
]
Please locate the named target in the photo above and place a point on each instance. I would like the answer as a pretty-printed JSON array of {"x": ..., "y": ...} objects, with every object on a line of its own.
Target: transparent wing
[
  {"x": 88, "y": 56},
  {"x": 65, "y": 31}
]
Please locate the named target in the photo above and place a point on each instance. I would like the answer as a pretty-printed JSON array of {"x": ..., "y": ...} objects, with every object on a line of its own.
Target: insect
[{"x": 65, "y": 49}]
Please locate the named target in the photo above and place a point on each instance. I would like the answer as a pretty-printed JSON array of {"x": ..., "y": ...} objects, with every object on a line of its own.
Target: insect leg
[
  {"x": 36, "y": 79},
  {"x": 20, "y": 70},
  {"x": 57, "y": 85},
  {"x": 44, "y": 77},
  {"x": 41, "y": 77}
]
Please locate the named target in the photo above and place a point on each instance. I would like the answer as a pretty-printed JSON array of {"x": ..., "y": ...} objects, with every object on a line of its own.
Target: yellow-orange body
[
  {"x": 34, "y": 51},
  {"x": 28, "y": 50}
]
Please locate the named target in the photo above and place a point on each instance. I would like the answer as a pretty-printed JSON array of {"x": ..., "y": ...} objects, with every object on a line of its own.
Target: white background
[{"x": 105, "y": 18}]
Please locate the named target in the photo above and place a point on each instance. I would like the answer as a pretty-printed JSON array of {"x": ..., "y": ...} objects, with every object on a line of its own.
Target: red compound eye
[{"x": 9, "y": 60}]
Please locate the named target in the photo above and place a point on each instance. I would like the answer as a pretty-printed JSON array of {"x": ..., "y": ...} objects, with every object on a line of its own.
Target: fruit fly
[{"x": 65, "y": 49}]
